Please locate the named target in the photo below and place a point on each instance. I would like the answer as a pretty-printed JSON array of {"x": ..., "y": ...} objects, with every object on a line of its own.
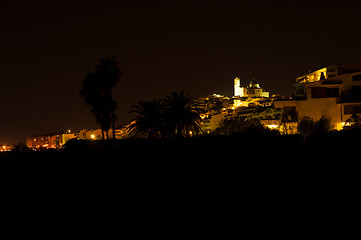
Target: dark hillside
[{"x": 251, "y": 174}]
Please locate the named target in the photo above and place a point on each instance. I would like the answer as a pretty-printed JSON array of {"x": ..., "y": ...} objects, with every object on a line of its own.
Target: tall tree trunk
[
  {"x": 113, "y": 126},
  {"x": 102, "y": 134},
  {"x": 112, "y": 114}
]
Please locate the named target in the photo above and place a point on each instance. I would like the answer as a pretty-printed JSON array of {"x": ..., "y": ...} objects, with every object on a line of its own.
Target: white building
[
  {"x": 90, "y": 134},
  {"x": 96, "y": 134},
  {"x": 334, "y": 92},
  {"x": 250, "y": 95},
  {"x": 253, "y": 89},
  {"x": 211, "y": 123}
]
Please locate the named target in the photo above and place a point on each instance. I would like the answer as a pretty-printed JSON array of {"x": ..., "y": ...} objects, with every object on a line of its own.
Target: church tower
[
  {"x": 238, "y": 90},
  {"x": 253, "y": 89}
]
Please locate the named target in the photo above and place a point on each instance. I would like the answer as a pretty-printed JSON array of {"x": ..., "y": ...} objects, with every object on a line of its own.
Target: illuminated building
[
  {"x": 214, "y": 108},
  {"x": 334, "y": 92},
  {"x": 37, "y": 142},
  {"x": 96, "y": 134},
  {"x": 90, "y": 134},
  {"x": 48, "y": 141},
  {"x": 212, "y": 105},
  {"x": 320, "y": 74},
  {"x": 250, "y": 95},
  {"x": 212, "y": 122},
  {"x": 66, "y": 137},
  {"x": 252, "y": 90},
  {"x": 57, "y": 140}
]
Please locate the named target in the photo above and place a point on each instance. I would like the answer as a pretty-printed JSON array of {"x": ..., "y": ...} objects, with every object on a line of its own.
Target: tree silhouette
[
  {"x": 180, "y": 118},
  {"x": 91, "y": 92},
  {"x": 149, "y": 120},
  {"x": 173, "y": 116},
  {"x": 103, "y": 110},
  {"x": 97, "y": 92},
  {"x": 108, "y": 73}
]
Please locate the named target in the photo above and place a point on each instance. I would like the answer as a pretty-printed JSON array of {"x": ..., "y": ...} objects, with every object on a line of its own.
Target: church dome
[{"x": 254, "y": 84}]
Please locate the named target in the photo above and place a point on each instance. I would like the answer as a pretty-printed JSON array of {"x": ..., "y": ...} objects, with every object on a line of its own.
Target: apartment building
[{"x": 334, "y": 92}]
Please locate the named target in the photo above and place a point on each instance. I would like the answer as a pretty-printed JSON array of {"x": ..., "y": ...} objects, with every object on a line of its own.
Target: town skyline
[
  {"x": 196, "y": 46},
  {"x": 324, "y": 94}
]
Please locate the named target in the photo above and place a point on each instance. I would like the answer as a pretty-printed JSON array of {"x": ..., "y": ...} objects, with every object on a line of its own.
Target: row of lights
[{"x": 5, "y": 148}]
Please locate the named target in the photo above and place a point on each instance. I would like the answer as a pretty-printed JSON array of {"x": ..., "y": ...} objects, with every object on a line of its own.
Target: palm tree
[
  {"x": 97, "y": 92},
  {"x": 91, "y": 92},
  {"x": 148, "y": 123},
  {"x": 108, "y": 72},
  {"x": 181, "y": 119},
  {"x": 103, "y": 111}
]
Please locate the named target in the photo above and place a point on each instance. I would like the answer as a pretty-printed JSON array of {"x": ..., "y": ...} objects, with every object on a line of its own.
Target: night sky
[{"x": 47, "y": 48}]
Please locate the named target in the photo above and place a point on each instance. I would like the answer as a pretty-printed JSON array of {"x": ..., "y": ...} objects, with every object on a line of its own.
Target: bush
[
  {"x": 324, "y": 125},
  {"x": 238, "y": 125},
  {"x": 308, "y": 126}
]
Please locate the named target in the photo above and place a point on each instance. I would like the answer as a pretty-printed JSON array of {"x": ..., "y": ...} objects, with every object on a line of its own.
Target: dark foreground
[{"x": 246, "y": 176}]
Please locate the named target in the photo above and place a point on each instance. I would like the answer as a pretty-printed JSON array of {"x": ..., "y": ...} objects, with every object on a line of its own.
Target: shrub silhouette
[{"x": 308, "y": 126}]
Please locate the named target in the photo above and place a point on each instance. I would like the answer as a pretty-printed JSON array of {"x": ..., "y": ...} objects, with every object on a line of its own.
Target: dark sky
[{"x": 47, "y": 48}]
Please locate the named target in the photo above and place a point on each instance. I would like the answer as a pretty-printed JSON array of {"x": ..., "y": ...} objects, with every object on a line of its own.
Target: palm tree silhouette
[
  {"x": 97, "y": 92},
  {"x": 91, "y": 92},
  {"x": 108, "y": 72},
  {"x": 180, "y": 117},
  {"x": 103, "y": 111},
  {"x": 174, "y": 116},
  {"x": 148, "y": 123}
]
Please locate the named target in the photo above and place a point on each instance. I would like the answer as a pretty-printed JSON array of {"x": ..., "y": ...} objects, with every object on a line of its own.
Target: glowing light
[
  {"x": 92, "y": 136},
  {"x": 272, "y": 126},
  {"x": 345, "y": 124}
]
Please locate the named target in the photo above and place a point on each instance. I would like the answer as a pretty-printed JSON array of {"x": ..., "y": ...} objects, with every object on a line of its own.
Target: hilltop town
[{"x": 332, "y": 92}]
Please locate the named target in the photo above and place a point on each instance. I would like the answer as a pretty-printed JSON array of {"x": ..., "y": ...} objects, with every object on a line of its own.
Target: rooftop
[{"x": 328, "y": 72}]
